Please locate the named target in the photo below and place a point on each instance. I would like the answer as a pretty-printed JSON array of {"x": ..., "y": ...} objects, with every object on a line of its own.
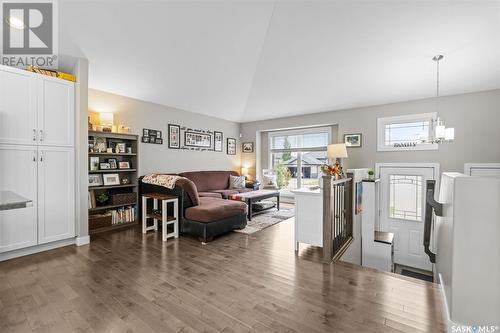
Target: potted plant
[
  {"x": 102, "y": 199},
  {"x": 371, "y": 174}
]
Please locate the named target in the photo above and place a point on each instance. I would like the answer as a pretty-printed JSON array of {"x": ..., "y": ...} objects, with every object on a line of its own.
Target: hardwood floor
[{"x": 129, "y": 282}]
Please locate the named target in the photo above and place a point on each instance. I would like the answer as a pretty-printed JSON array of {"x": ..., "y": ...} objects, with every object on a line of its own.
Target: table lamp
[{"x": 335, "y": 153}]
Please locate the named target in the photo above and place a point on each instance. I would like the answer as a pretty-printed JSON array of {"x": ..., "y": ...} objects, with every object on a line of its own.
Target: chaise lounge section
[{"x": 203, "y": 211}]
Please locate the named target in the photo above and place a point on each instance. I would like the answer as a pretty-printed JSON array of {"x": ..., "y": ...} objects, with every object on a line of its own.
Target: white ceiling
[{"x": 246, "y": 61}]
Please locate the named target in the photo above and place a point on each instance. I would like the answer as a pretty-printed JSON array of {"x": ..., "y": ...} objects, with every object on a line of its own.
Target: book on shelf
[
  {"x": 92, "y": 201},
  {"x": 123, "y": 215}
]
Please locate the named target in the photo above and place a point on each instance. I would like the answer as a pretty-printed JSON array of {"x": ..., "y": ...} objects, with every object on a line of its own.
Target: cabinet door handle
[
  {"x": 34, "y": 156},
  {"x": 41, "y": 135},
  {"x": 34, "y": 134},
  {"x": 41, "y": 157}
]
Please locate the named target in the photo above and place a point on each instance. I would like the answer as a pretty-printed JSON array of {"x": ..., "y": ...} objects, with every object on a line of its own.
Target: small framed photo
[
  {"x": 111, "y": 179},
  {"x": 112, "y": 163},
  {"x": 159, "y": 141},
  {"x": 124, "y": 165},
  {"x": 247, "y": 147},
  {"x": 121, "y": 147},
  {"x": 94, "y": 163},
  {"x": 145, "y": 132},
  {"x": 105, "y": 166},
  {"x": 95, "y": 180},
  {"x": 218, "y": 141},
  {"x": 145, "y": 139},
  {"x": 353, "y": 140},
  {"x": 174, "y": 136},
  {"x": 231, "y": 146}
]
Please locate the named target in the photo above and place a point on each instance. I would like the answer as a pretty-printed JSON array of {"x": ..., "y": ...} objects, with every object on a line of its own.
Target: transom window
[
  {"x": 405, "y": 197},
  {"x": 411, "y": 132}
]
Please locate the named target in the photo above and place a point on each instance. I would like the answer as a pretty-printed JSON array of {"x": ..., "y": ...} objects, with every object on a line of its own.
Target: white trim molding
[
  {"x": 82, "y": 240},
  {"x": 469, "y": 167},
  {"x": 36, "y": 249}
]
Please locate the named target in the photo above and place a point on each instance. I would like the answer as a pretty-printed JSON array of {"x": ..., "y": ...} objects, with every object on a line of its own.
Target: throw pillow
[{"x": 236, "y": 181}]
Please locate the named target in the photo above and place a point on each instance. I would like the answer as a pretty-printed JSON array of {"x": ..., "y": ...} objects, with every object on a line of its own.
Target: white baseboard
[
  {"x": 83, "y": 240},
  {"x": 35, "y": 249}
]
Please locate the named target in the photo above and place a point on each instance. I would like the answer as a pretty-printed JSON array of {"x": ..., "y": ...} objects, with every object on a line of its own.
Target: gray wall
[
  {"x": 158, "y": 158},
  {"x": 475, "y": 117}
]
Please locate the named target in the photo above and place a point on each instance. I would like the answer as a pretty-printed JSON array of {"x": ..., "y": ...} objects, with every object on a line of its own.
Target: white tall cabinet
[{"x": 37, "y": 158}]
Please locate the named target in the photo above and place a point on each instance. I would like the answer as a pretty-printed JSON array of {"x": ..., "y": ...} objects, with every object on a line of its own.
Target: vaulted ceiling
[{"x": 245, "y": 61}]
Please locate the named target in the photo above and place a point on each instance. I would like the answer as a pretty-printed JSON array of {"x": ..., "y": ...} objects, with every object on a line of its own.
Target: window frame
[
  {"x": 382, "y": 122},
  {"x": 309, "y": 130}
]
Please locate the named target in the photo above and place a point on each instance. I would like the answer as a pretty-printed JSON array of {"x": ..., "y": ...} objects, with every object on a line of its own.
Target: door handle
[
  {"x": 34, "y": 156},
  {"x": 41, "y": 157},
  {"x": 34, "y": 134},
  {"x": 41, "y": 135}
]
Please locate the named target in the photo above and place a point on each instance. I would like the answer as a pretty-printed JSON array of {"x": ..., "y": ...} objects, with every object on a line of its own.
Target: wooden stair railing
[{"x": 337, "y": 217}]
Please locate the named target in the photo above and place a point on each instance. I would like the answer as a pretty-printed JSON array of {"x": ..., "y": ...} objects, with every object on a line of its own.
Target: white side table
[{"x": 163, "y": 216}]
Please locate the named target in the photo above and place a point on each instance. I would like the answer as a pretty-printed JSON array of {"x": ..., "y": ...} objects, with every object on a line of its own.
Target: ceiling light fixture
[{"x": 441, "y": 133}]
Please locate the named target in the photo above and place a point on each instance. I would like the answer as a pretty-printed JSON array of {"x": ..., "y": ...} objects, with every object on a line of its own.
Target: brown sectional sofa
[{"x": 203, "y": 210}]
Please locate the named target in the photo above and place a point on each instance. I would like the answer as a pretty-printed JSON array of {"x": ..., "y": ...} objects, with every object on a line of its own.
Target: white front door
[{"x": 402, "y": 209}]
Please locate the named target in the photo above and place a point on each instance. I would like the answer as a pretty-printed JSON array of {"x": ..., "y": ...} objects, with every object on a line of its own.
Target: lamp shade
[
  {"x": 337, "y": 150},
  {"x": 106, "y": 118},
  {"x": 244, "y": 171}
]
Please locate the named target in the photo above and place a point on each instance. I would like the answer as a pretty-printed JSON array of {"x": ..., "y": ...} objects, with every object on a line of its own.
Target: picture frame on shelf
[
  {"x": 100, "y": 144},
  {"x": 231, "y": 146},
  {"x": 247, "y": 147},
  {"x": 174, "y": 136},
  {"x": 121, "y": 148},
  {"x": 125, "y": 180},
  {"x": 198, "y": 140},
  {"x": 353, "y": 140},
  {"x": 94, "y": 163},
  {"x": 111, "y": 179},
  {"x": 95, "y": 180},
  {"x": 113, "y": 164},
  {"x": 104, "y": 166},
  {"x": 123, "y": 165},
  {"x": 218, "y": 141}
]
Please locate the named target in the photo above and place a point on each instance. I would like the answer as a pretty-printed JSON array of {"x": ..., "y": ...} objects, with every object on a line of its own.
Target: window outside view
[
  {"x": 405, "y": 193},
  {"x": 297, "y": 158},
  {"x": 410, "y": 132}
]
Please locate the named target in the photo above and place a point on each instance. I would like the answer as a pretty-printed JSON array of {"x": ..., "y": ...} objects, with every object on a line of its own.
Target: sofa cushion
[
  {"x": 210, "y": 195},
  {"x": 213, "y": 209},
  {"x": 226, "y": 193},
  {"x": 206, "y": 181},
  {"x": 236, "y": 182}
]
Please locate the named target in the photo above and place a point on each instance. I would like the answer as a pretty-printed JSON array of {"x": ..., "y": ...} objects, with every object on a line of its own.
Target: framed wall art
[
  {"x": 353, "y": 140},
  {"x": 231, "y": 146},
  {"x": 151, "y": 136},
  {"x": 174, "y": 136},
  {"x": 197, "y": 140},
  {"x": 247, "y": 147},
  {"x": 218, "y": 141}
]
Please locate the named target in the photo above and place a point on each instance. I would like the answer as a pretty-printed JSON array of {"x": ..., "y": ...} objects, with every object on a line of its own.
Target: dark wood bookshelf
[
  {"x": 112, "y": 170},
  {"x": 99, "y": 216}
]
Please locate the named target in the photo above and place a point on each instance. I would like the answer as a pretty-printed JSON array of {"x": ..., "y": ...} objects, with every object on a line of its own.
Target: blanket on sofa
[{"x": 167, "y": 181}]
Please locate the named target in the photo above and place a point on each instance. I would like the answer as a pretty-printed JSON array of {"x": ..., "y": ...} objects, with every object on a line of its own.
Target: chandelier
[{"x": 441, "y": 133}]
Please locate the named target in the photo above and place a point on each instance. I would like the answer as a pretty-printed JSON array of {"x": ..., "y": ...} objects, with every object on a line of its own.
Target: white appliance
[
  {"x": 37, "y": 159},
  {"x": 467, "y": 258}
]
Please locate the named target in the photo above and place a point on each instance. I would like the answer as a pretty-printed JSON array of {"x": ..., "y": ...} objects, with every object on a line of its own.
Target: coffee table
[{"x": 255, "y": 196}]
